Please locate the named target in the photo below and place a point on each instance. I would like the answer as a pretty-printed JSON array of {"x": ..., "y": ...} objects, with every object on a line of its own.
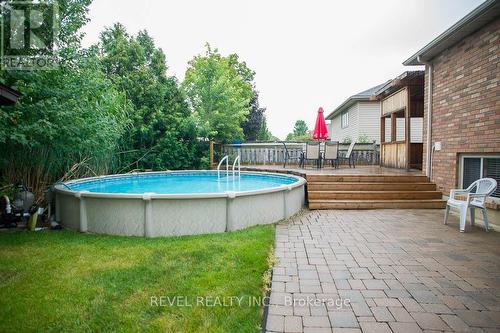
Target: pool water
[{"x": 181, "y": 183}]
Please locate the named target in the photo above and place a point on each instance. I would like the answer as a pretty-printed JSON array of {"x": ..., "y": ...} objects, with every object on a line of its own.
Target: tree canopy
[
  {"x": 300, "y": 132},
  {"x": 113, "y": 107},
  {"x": 64, "y": 116},
  {"x": 163, "y": 133},
  {"x": 219, "y": 94}
]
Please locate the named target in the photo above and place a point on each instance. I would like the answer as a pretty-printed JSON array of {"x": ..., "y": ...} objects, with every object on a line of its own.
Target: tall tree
[
  {"x": 64, "y": 116},
  {"x": 163, "y": 134},
  {"x": 252, "y": 126},
  {"x": 300, "y": 128},
  {"x": 219, "y": 94},
  {"x": 300, "y": 132},
  {"x": 264, "y": 133}
]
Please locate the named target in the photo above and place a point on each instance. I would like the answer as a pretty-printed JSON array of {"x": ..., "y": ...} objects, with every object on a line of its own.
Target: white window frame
[
  {"x": 481, "y": 157},
  {"x": 346, "y": 115}
]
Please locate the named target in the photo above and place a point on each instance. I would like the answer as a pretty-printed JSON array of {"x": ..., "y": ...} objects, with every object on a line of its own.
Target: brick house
[{"x": 462, "y": 97}]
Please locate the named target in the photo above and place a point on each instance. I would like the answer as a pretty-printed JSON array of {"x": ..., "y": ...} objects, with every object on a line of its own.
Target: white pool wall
[{"x": 157, "y": 215}]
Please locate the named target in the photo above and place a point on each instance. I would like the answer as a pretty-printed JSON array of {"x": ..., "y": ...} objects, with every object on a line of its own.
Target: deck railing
[{"x": 274, "y": 152}]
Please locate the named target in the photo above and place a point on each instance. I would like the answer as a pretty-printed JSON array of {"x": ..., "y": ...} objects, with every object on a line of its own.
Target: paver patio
[{"x": 384, "y": 271}]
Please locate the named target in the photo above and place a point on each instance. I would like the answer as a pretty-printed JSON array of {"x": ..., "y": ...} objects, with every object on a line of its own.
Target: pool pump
[{"x": 11, "y": 213}]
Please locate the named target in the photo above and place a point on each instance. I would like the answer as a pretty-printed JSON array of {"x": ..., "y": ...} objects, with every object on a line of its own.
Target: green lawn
[{"x": 65, "y": 281}]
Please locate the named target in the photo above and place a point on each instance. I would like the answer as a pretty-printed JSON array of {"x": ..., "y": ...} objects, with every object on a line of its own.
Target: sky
[{"x": 306, "y": 54}]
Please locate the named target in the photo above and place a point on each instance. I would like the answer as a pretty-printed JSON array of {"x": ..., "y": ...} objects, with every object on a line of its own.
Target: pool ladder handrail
[
  {"x": 237, "y": 159},
  {"x": 63, "y": 184},
  {"x": 226, "y": 158}
]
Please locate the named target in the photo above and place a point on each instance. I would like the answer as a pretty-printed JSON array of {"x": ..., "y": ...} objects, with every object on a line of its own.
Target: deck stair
[{"x": 372, "y": 192}]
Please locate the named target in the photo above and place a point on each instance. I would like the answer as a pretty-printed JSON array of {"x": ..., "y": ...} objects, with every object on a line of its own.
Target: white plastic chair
[{"x": 484, "y": 188}]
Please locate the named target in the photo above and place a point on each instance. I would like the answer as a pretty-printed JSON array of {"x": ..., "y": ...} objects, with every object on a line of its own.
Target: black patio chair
[{"x": 290, "y": 157}]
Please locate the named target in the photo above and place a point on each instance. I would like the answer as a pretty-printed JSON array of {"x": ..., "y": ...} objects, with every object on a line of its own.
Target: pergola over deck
[{"x": 402, "y": 97}]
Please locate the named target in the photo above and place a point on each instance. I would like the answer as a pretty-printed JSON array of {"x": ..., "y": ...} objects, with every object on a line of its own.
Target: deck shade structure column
[{"x": 401, "y": 121}]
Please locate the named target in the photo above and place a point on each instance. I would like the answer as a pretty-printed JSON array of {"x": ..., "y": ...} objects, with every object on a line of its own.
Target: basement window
[{"x": 474, "y": 167}]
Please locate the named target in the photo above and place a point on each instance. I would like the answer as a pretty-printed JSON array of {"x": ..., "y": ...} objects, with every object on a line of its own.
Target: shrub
[
  {"x": 347, "y": 140},
  {"x": 363, "y": 138}
]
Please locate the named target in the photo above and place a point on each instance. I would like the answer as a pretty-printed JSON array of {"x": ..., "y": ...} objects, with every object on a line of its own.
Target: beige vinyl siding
[
  {"x": 387, "y": 129},
  {"x": 416, "y": 129},
  {"x": 337, "y": 133},
  {"x": 415, "y": 132},
  {"x": 400, "y": 129},
  {"x": 369, "y": 120},
  {"x": 364, "y": 119}
]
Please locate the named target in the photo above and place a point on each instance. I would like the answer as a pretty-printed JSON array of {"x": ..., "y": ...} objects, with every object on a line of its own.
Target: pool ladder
[
  {"x": 62, "y": 184},
  {"x": 237, "y": 159},
  {"x": 226, "y": 158}
]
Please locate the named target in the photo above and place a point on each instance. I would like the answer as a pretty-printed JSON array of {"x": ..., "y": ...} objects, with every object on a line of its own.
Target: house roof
[
  {"x": 361, "y": 96},
  {"x": 408, "y": 78},
  {"x": 479, "y": 17}
]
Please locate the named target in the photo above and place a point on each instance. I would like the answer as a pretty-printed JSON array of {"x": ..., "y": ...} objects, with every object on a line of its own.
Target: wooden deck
[
  {"x": 343, "y": 170},
  {"x": 364, "y": 187}
]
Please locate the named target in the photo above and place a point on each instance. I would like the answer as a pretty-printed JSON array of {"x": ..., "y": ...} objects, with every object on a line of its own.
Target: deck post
[
  {"x": 393, "y": 127},
  {"x": 382, "y": 130},
  {"x": 83, "y": 211},
  {"x": 148, "y": 214},
  {"x": 407, "y": 127},
  {"x": 382, "y": 140}
]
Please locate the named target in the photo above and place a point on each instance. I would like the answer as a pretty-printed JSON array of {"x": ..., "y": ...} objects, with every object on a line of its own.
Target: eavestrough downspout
[{"x": 428, "y": 166}]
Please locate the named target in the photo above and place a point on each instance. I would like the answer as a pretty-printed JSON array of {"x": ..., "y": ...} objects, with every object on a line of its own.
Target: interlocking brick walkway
[{"x": 384, "y": 271}]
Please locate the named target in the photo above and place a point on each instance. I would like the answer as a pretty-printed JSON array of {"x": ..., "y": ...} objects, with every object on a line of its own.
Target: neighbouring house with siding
[
  {"x": 357, "y": 117},
  {"x": 462, "y": 100}
]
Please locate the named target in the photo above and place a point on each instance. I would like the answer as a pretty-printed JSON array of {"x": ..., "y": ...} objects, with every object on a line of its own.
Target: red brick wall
[{"x": 466, "y": 114}]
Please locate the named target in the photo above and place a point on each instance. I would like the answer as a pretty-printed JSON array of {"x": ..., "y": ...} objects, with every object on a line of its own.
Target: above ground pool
[
  {"x": 181, "y": 183},
  {"x": 177, "y": 203}
]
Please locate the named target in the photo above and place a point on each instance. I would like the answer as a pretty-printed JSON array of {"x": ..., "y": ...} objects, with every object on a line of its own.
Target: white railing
[
  {"x": 225, "y": 158},
  {"x": 237, "y": 159}
]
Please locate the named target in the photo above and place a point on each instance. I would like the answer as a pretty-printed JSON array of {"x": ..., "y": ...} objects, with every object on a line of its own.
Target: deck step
[
  {"x": 368, "y": 178},
  {"x": 372, "y": 191},
  {"x": 373, "y": 195},
  {"x": 377, "y": 204},
  {"x": 369, "y": 186}
]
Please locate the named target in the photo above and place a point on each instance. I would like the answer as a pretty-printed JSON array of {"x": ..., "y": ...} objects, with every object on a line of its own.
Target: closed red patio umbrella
[{"x": 320, "y": 130}]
